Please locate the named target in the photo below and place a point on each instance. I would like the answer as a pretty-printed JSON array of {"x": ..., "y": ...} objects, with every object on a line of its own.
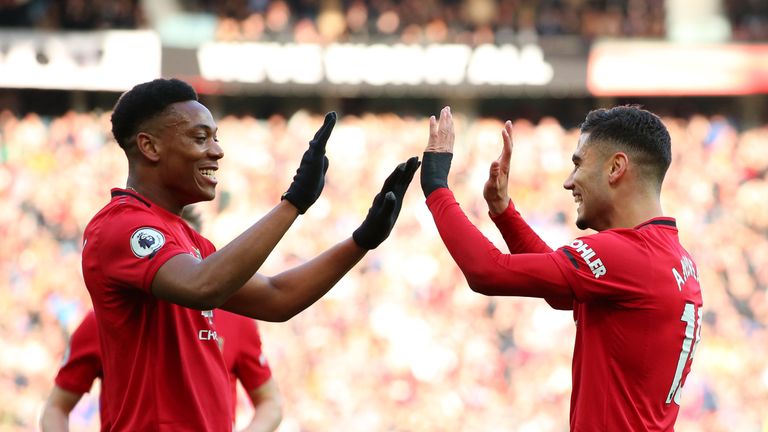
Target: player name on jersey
[
  {"x": 596, "y": 265},
  {"x": 688, "y": 269}
]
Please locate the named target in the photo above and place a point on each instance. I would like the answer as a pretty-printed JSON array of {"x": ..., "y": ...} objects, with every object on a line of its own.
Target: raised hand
[
  {"x": 496, "y": 189},
  {"x": 309, "y": 180},
  {"x": 441, "y": 134},
  {"x": 386, "y": 206},
  {"x": 439, "y": 152}
]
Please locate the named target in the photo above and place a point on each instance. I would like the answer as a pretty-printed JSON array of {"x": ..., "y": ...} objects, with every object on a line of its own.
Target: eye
[{"x": 201, "y": 139}]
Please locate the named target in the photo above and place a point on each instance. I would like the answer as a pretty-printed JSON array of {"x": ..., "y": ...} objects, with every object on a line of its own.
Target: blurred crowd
[
  {"x": 408, "y": 21},
  {"x": 401, "y": 344}
]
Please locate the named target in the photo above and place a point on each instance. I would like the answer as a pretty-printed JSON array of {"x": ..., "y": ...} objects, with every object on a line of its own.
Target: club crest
[{"x": 146, "y": 241}]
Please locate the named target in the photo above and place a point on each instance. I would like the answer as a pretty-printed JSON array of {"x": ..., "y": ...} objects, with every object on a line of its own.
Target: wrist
[
  {"x": 498, "y": 206},
  {"x": 286, "y": 205},
  {"x": 434, "y": 171}
]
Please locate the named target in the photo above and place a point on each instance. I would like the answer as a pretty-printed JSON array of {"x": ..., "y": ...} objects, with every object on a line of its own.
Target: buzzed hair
[
  {"x": 636, "y": 131},
  {"x": 143, "y": 102}
]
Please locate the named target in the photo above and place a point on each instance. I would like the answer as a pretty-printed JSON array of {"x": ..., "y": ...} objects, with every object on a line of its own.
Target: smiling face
[
  {"x": 590, "y": 186},
  {"x": 189, "y": 153}
]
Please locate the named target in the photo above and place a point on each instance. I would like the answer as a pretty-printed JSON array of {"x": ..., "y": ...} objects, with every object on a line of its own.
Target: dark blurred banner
[
  {"x": 549, "y": 68},
  {"x": 664, "y": 69},
  {"x": 546, "y": 67}
]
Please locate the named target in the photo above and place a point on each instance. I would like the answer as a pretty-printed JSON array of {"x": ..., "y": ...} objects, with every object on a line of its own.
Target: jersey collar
[
  {"x": 116, "y": 192},
  {"x": 666, "y": 221}
]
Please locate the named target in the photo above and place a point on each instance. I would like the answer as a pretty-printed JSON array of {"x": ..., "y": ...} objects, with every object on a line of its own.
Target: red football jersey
[
  {"x": 241, "y": 344},
  {"x": 638, "y": 322},
  {"x": 242, "y": 355},
  {"x": 82, "y": 362},
  {"x": 636, "y": 302},
  {"x": 164, "y": 367}
]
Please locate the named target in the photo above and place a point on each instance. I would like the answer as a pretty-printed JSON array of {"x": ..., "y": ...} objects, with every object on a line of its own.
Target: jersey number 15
[{"x": 692, "y": 318}]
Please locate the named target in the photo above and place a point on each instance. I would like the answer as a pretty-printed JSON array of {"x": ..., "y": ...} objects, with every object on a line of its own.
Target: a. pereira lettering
[
  {"x": 588, "y": 255},
  {"x": 688, "y": 270}
]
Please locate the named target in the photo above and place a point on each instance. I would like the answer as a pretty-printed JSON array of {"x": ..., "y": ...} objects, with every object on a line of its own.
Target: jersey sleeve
[
  {"x": 488, "y": 270},
  {"x": 517, "y": 234},
  {"x": 134, "y": 246},
  {"x": 610, "y": 265},
  {"x": 251, "y": 366},
  {"x": 206, "y": 247},
  {"x": 82, "y": 360}
]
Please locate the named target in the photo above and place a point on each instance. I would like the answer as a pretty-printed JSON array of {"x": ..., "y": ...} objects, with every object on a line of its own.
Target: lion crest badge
[{"x": 146, "y": 242}]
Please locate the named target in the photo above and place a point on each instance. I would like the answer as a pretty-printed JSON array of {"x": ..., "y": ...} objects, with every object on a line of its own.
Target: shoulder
[
  {"x": 597, "y": 254},
  {"x": 127, "y": 221},
  {"x": 618, "y": 240}
]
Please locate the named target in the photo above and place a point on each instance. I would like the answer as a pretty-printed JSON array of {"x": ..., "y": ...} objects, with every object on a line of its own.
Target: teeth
[{"x": 209, "y": 173}]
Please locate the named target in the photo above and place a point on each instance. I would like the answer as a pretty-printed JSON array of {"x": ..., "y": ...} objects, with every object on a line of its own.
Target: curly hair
[
  {"x": 143, "y": 102},
  {"x": 639, "y": 132}
]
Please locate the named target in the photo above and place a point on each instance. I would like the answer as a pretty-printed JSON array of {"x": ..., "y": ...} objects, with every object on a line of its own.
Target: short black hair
[
  {"x": 143, "y": 102},
  {"x": 639, "y": 132}
]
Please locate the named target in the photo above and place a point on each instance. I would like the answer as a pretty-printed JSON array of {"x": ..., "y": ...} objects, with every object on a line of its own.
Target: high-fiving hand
[
  {"x": 439, "y": 152},
  {"x": 309, "y": 180},
  {"x": 386, "y": 206},
  {"x": 496, "y": 189}
]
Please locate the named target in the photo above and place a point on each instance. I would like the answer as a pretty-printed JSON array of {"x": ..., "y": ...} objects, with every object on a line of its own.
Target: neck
[
  {"x": 636, "y": 209},
  {"x": 158, "y": 196}
]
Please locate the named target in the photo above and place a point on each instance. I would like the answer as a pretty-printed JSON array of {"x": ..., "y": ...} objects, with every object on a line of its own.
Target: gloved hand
[
  {"x": 434, "y": 173},
  {"x": 386, "y": 206},
  {"x": 309, "y": 180}
]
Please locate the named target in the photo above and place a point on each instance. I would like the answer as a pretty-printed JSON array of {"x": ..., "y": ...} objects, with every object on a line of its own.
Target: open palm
[{"x": 496, "y": 189}]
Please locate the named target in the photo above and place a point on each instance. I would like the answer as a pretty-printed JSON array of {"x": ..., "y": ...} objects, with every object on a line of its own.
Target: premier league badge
[{"x": 146, "y": 241}]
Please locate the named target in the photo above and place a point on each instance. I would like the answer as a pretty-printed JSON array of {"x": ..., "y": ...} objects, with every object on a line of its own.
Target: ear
[
  {"x": 147, "y": 144},
  {"x": 618, "y": 164}
]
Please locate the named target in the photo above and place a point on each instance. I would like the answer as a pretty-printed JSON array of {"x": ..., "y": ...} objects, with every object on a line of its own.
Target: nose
[
  {"x": 568, "y": 183},
  {"x": 215, "y": 151}
]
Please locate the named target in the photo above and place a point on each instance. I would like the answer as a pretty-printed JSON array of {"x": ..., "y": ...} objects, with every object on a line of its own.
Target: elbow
[
  {"x": 274, "y": 313},
  {"x": 477, "y": 281},
  {"x": 208, "y": 297},
  {"x": 280, "y": 316},
  {"x": 480, "y": 288}
]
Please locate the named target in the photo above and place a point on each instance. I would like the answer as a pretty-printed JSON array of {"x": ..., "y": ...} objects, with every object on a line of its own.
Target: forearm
[
  {"x": 55, "y": 416},
  {"x": 518, "y": 235},
  {"x": 268, "y": 408},
  {"x": 280, "y": 297},
  {"x": 266, "y": 417},
  {"x": 486, "y": 269},
  {"x": 208, "y": 283},
  {"x": 54, "y": 420}
]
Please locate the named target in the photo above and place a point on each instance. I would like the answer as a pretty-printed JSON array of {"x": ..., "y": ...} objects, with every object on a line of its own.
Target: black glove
[
  {"x": 386, "y": 206},
  {"x": 434, "y": 173},
  {"x": 310, "y": 177}
]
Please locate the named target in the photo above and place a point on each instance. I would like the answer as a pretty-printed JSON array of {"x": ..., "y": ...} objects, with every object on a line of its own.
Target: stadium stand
[{"x": 401, "y": 344}]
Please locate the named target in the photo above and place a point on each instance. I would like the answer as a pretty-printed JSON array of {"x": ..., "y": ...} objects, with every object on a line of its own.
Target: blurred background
[{"x": 401, "y": 344}]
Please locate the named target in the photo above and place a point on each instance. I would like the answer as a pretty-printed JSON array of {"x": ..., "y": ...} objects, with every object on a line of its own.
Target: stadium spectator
[{"x": 411, "y": 21}]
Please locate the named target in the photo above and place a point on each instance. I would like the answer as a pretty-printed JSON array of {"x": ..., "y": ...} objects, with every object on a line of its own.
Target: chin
[
  {"x": 581, "y": 222},
  {"x": 200, "y": 196}
]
